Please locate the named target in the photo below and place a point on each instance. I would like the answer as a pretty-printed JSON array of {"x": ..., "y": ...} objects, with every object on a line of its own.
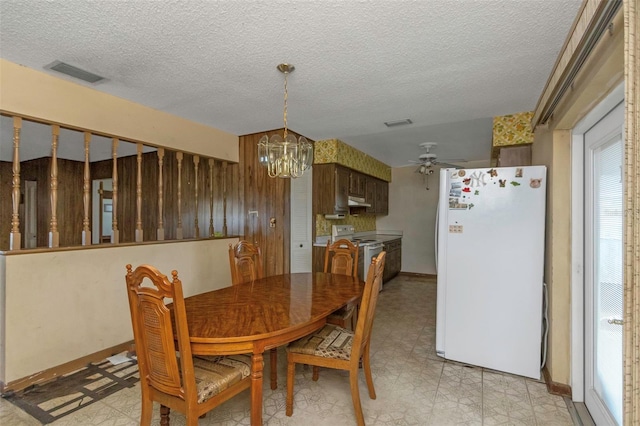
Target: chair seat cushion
[
  {"x": 329, "y": 342},
  {"x": 342, "y": 314},
  {"x": 216, "y": 373}
]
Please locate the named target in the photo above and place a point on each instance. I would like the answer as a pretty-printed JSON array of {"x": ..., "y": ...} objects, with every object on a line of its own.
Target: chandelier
[{"x": 285, "y": 156}]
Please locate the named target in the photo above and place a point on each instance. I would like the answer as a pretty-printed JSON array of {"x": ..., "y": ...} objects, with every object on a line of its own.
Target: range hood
[{"x": 358, "y": 202}]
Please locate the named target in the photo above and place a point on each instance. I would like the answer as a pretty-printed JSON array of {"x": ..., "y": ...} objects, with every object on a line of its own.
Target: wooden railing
[{"x": 147, "y": 191}]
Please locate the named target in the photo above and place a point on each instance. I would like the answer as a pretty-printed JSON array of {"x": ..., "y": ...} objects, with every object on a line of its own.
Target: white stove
[{"x": 372, "y": 247}]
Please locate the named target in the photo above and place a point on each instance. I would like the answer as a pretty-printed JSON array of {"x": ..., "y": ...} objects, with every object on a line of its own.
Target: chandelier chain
[{"x": 286, "y": 95}]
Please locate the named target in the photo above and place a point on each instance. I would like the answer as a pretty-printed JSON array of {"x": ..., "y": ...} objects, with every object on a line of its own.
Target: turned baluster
[
  {"x": 139, "y": 196},
  {"x": 54, "y": 235},
  {"x": 115, "y": 234},
  {"x": 160, "y": 230},
  {"x": 14, "y": 236},
  {"x": 86, "y": 192},
  {"x": 196, "y": 162},
  {"x": 211, "y": 164},
  {"x": 179, "y": 235}
]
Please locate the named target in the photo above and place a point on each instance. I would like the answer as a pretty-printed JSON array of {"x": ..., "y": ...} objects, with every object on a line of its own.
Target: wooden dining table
[{"x": 264, "y": 314}]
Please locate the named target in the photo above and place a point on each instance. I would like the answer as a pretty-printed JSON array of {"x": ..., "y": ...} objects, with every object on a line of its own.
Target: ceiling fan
[{"x": 429, "y": 159}]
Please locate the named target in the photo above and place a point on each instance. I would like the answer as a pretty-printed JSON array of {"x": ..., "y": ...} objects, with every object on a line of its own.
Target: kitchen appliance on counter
[
  {"x": 490, "y": 238},
  {"x": 372, "y": 247}
]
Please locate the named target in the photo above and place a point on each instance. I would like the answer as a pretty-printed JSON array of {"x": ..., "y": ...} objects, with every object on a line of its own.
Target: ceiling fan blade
[
  {"x": 454, "y": 160},
  {"x": 450, "y": 166}
]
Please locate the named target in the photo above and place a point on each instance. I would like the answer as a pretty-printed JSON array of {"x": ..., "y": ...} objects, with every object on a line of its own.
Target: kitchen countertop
[{"x": 383, "y": 236}]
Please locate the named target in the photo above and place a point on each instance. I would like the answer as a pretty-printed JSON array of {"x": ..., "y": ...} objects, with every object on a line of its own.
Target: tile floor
[{"x": 413, "y": 385}]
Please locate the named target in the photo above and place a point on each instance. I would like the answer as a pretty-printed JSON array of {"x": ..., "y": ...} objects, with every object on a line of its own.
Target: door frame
[{"x": 577, "y": 237}]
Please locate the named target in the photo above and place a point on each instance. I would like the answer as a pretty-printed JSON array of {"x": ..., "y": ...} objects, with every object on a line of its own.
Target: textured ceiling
[{"x": 448, "y": 65}]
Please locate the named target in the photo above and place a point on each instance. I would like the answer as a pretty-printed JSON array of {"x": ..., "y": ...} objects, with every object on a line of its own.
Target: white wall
[
  {"x": 412, "y": 209},
  {"x": 63, "y": 305}
]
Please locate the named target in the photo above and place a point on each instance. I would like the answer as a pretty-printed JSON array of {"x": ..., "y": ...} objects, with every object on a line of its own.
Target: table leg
[{"x": 256, "y": 389}]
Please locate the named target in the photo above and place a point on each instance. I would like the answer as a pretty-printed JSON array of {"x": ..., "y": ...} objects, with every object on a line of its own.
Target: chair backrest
[
  {"x": 343, "y": 256},
  {"x": 154, "y": 334},
  {"x": 368, "y": 305},
  {"x": 245, "y": 260}
]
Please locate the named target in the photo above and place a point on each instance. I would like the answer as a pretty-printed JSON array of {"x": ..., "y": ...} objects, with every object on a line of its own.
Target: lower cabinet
[{"x": 393, "y": 262}]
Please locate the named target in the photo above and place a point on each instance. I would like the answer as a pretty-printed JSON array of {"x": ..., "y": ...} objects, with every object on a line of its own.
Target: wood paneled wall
[
  {"x": 6, "y": 176},
  {"x": 70, "y": 210},
  {"x": 69, "y": 206},
  {"x": 126, "y": 208},
  {"x": 270, "y": 197}
]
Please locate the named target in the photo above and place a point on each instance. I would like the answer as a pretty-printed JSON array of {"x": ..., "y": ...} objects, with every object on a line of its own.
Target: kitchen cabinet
[
  {"x": 333, "y": 184},
  {"x": 371, "y": 195},
  {"x": 382, "y": 197},
  {"x": 330, "y": 189},
  {"x": 377, "y": 194},
  {"x": 393, "y": 262},
  {"x": 357, "y": 183},
  {"x": 515, "y": 155}
]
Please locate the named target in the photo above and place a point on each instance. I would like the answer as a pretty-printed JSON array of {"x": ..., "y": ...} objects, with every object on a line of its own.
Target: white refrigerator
[{"x": 491, "y": 231}]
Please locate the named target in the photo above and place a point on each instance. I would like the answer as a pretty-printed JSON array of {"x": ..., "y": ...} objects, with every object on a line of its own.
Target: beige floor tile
[{"x": 413, "y": 385}]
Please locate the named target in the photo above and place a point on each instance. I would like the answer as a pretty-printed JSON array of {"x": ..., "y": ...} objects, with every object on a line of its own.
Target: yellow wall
[
  {"x": 37, "y": 94},
  {"x": 512, "y": 129},
  {"x": 602, "y": 72},
  {"x": 336, "y": 151},
  {"x": 361, "y": 223}
]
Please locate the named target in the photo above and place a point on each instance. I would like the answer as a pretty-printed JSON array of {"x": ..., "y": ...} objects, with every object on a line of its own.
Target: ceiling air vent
[
  {"x": 74, "y": 72},
  {"x": 398, "y": 122}
]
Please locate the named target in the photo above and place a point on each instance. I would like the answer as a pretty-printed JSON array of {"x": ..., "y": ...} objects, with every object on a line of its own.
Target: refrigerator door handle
[{"x": 436, "y": 234}]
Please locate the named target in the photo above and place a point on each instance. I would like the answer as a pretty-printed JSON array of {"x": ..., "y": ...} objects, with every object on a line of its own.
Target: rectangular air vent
[
  {"x": 398, "y": 122},
  {"x": 74, "y": 72}
]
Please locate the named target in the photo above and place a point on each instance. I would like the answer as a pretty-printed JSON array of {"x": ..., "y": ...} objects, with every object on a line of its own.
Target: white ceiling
[{"x": 448, "y": 65}]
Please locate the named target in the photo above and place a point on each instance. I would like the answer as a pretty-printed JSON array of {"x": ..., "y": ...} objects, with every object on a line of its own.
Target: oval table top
[{"x": 268, "y": 307}]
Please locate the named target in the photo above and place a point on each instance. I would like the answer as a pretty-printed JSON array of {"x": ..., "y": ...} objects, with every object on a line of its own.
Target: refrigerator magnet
[
  {"x": 535, "y": 183},
  {"x": 476, "y": 192},
  {"x": 514, "y": 183},
  {"x": 519, "y": 172},
  {"x": 466, "y": 181},
  {"x": 471, "y": 206},
  {"x": 502, "y": 182},
  {"x": 478, "y": 178},
  {"x": 493, "y": 172},
  {"x": 467, "y": 189},
  {"x": 461, "y": 173}
]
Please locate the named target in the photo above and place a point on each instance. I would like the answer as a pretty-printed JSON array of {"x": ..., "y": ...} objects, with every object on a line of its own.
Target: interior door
[
  {"x": 604, "y": 268},
  {"x": 301, "y": 211}
]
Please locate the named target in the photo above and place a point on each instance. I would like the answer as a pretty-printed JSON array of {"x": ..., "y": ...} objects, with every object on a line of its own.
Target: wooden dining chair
[
  {"x": 245, "y": 260},
  {"x": 339, "y": 348},
  {"x": 341, "y": 257},
  {"x": 178, "y": 380}
]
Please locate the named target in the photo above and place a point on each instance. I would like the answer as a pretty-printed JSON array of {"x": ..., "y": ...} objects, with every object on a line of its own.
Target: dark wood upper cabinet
[
  {"x": 370, "y": 194},
  {"x": 333, "y": 184},
  {"x": 330, "y": 189},
  {"x": 357, "y": 184}
]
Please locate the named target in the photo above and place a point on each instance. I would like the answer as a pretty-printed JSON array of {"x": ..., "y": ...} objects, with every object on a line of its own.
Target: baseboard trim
[
  {"x": 416, "y": 274},
  {"x": 54, "y": 372},
  {"x": 553, "y": 387}
]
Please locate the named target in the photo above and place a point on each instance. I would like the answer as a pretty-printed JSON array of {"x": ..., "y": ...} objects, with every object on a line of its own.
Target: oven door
[{"x": 371, "y": 251}]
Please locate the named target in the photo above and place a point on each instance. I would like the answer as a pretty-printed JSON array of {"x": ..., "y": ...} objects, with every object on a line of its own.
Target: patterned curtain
[{"x": 632, "y": 210}]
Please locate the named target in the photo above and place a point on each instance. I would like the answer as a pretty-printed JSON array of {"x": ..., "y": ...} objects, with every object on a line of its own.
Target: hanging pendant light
[{"x": 285, "y": 156}]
